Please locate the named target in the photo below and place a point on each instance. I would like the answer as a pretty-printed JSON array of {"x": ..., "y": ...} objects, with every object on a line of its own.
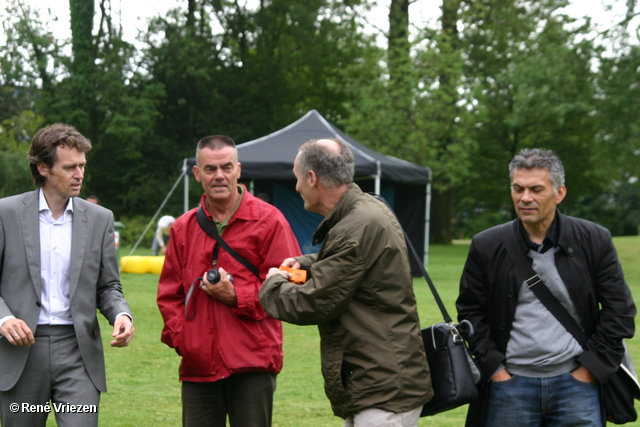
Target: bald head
[
  {"x": 330, "y": 159},
  {"x": 330, "y": 145}
]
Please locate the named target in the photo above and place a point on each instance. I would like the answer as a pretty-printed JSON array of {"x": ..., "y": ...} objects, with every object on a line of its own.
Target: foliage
[
  {"x": 460, "y": 97},
  {"x": 410, "y": 106},
  {"x": 263, "y": 69},
  {"x": 618, "y": 209},
  {"x": 15, "y": 132},
  {"x": 533, "y": 84},
  {"x": 134, "y": 226},
  {"x": 468, "y": 222}
]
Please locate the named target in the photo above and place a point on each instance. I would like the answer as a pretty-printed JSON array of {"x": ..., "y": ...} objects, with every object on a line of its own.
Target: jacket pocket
[
  {"x": 96, "y": 330},
  {"x": 194, "y": 344},
  {"x": 332, "y": 365},
  {"x": 247, "y": 344}
]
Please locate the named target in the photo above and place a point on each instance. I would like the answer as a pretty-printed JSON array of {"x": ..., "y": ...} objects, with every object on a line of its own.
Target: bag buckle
[
  {"x": 455, "y": 334},
  {"x": 534, "y": 280}
]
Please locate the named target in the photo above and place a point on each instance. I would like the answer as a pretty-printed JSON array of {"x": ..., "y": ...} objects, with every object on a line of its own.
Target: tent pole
[
  {"x": 378, "y": 175},
  {"x": 186, "y": 186},
  {"x": 153, "y": 218},
  {"x": 427, "y": 221}
]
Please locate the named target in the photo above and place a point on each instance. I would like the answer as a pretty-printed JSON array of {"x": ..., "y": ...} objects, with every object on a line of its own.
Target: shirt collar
[
  {"x": 44, "y": 206},
  {"x": 549, "y": 242}
]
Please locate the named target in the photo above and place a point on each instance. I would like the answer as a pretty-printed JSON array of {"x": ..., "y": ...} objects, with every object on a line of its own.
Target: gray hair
[
  {"x": 535, "y": 158},
  {"x": 331, "y": 169}
]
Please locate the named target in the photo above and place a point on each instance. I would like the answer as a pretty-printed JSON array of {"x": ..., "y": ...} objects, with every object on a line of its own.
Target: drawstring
[{"x": 214, "y": 261}]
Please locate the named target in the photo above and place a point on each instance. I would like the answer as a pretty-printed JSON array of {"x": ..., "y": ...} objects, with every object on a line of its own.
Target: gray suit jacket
[{"x": 95, "y": 282}]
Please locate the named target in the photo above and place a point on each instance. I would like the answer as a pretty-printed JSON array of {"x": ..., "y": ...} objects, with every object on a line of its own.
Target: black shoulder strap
[
  {"x": 537, "y": 286},
  {"x": 211, "y": 229},
  {"x": 423, "y": 270}
]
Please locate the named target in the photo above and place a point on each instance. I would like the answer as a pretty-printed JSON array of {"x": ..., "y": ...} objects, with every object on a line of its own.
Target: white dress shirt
[{"x": 55, "y": 264}]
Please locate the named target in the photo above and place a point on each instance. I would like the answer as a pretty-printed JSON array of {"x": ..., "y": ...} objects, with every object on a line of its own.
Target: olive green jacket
[{"x": 361, "y": 297}]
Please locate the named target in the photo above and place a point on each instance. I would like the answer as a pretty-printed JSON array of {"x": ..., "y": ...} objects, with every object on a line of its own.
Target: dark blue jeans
[{"x": 560, "y": 401}]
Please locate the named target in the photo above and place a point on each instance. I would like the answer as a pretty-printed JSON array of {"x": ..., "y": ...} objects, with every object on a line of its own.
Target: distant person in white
[{"x": 161, "y": 237}]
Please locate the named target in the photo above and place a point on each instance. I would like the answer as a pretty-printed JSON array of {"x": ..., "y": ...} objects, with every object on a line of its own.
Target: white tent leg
[
  {"x": 427, "y": 222},
  {"x": 186, "y": 186},
  {"x": 164, "y": 202}
]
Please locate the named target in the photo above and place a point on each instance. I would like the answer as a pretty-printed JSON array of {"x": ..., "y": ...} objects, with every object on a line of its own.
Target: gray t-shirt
[{"x": 539, "y": 346}]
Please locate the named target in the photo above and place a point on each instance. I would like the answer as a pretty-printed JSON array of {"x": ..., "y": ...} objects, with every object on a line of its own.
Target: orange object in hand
[{"x": 297, "y": 276}]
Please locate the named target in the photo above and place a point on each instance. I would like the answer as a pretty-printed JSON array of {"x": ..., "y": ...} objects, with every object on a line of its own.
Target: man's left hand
[
  {"x": 123, "y": 331},
  {"x": 275, "y": 270},
  {"x": 583, "y": 374}
]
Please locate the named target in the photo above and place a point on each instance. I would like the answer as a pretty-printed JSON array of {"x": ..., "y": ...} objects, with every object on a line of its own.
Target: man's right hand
[
  {"x": 17, "y": 333},
  {"x": 502, "y": 375}
]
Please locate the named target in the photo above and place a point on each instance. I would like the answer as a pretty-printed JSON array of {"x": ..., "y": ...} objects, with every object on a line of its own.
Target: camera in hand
[{"x": 213, "y": 276}]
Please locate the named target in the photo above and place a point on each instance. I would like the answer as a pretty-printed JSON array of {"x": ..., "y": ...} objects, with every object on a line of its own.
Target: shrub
[{"x": 133, "y": 228}]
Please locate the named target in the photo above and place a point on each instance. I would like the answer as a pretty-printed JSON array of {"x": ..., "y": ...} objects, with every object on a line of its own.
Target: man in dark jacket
[
  {"x": 538, "y": 374},
  {"x": 359, "y": 294}
]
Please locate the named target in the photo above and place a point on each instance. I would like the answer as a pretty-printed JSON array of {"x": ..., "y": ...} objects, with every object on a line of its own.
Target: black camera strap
[{"x": 210, "y": 228}]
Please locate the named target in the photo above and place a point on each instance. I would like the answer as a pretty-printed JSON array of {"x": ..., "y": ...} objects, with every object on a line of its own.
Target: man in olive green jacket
[{"x": 359, "y": 294}]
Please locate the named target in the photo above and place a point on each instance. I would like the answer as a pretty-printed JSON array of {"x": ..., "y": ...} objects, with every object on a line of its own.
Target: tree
[
  {"x": 452, "y": 150},
  {"x": 533, "y": 86},
  {"x": 15, "y": 138},
  {"x": 411, "y": 106},
  {"x": 262, "y": 69},
  {"x": 82, "y": 67},
  {"x": 617, "y": 206}
]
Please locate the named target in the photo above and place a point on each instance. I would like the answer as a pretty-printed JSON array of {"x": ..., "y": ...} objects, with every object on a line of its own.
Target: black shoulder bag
[
  {"x": 617, "y": 392},
  {"x": 454, "y": 373},
  {"x": 211, "y": 229}
]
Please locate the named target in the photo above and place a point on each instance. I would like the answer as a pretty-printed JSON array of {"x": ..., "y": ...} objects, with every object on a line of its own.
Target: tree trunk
[
  {"x": 398, "y": 38},
  {"x": 400, "y": 68},
  {"x": 441, "y": 216},
  {"x": 82, "y": 68},
  {"x": 443, "y": 199}
]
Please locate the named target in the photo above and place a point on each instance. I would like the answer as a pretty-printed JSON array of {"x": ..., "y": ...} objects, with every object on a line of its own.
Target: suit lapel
[
  {"x": 79, "y": 237},
  {"x": 30, "y": 225}
]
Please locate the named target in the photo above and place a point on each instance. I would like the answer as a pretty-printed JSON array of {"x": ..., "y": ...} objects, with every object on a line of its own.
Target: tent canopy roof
[{"x": 272, "y": 156}]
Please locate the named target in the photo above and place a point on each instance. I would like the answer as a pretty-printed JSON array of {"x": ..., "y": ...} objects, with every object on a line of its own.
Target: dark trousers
[{"x": 246, "y": 397}]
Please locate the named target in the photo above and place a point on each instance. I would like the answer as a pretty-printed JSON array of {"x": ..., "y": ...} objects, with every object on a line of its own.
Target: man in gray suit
[{"x": 57, "y": 266}]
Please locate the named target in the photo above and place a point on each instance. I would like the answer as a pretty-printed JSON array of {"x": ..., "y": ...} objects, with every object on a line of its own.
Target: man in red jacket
[{"x": 231, "y": 350}]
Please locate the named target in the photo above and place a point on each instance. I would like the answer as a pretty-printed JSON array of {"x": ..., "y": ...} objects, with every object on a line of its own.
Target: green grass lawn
[{"x": 143, "y": 379}]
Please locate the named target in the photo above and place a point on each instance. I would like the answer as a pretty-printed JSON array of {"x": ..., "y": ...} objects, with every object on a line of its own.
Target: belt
[{"x": 54, "y": 330}]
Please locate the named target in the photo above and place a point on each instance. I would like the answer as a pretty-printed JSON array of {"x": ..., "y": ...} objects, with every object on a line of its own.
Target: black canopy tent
[{"x": 267, "y": 165}]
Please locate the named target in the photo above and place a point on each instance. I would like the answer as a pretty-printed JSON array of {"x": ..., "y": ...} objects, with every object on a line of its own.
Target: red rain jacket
[{"x": 221, "y": 340}]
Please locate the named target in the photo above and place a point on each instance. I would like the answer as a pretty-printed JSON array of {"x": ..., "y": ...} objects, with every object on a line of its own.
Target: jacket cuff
[
  {"x": 241, "y": 307},
  {"x": 597, "y": 368},
  {"x": 490, "y": 363}
]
